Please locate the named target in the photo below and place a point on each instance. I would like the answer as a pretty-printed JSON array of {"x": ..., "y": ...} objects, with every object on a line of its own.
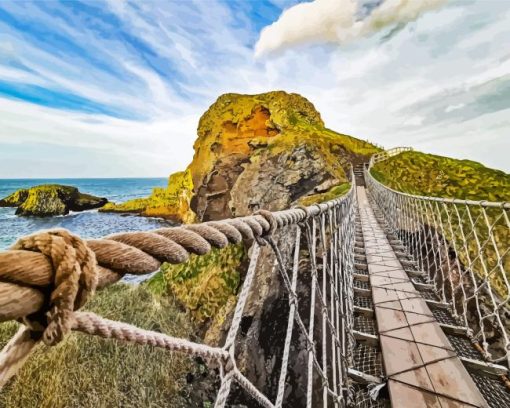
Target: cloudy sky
[{"x": 115, "y": 88}]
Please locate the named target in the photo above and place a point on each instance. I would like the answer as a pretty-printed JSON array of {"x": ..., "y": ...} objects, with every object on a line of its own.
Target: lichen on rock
[
  {"x": 51, "y": 199},
  {"x": 266, "y": 151},
  {"x": 172, "y": 202}
]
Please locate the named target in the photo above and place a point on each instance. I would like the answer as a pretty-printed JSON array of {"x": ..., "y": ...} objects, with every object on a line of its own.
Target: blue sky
[{"x": 116, "y": 88}]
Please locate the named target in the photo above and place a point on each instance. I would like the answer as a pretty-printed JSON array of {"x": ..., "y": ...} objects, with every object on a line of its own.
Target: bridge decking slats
[{"x": 422, "y": 367}]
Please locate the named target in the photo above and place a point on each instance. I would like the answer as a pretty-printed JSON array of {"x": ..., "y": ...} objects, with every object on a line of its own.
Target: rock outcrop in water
[{"x": 51, "y": 199}]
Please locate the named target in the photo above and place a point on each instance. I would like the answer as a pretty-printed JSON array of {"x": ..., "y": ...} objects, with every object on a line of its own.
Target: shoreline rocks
[{"x": 51, "y": 199}]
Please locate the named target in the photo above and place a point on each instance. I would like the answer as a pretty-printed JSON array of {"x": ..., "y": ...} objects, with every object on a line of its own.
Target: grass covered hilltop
[
  {"x": 430, "y": 175},
  {"x": 437, "y": 176},
  {"x": 240, "y": 131},
  {"x": 270, "y": 151}
]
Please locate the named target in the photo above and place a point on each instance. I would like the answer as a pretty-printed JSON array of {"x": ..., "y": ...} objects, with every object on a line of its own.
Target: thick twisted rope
[
  {"x": 74, "y": 280},
  {"x": 58, "y": 258},
  {"x": 46, "y": 277}
]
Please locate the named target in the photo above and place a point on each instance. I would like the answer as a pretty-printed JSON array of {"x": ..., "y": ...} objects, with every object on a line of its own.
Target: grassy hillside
[
  {"x": 425, "y": 174},
  {"x": 85, "y": 371},
  {"x": 438, "y": 176}
]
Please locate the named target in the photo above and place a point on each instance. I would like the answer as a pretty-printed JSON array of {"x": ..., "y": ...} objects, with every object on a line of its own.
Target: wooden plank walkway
[{"x": 421, "y": 365}]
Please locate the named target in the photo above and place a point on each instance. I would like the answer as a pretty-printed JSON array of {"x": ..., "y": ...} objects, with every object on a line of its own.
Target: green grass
[
  {"x": 332, "y": 193},
  {"x": 207, "y": 285},
  {"x": 426, "y": 174},
  {"x": 86, "y": 371},
  {"x": 437, "y": 176}
]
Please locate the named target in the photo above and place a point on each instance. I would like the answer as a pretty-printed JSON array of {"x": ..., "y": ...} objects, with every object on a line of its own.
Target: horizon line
[{"x": 81, "y": 178}]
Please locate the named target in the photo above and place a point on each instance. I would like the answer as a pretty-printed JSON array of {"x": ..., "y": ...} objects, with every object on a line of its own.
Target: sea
[{"x": 87, "y": 224}]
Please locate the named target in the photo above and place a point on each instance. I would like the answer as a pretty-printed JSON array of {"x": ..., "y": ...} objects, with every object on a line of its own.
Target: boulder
[{"x": 51, "y": 199}]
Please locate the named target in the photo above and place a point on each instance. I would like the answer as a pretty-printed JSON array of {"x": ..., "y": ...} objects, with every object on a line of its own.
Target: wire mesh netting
[
  {"x": 464, "y": 248},
  {"x": 368, "y": 360}
]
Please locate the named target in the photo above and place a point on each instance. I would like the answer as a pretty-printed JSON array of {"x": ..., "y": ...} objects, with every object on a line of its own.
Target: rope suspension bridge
[{"x": 408, "y": 300}]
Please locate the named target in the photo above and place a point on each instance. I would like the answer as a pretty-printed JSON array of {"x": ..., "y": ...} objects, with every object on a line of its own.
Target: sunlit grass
[{"x": 86, "y": 371}]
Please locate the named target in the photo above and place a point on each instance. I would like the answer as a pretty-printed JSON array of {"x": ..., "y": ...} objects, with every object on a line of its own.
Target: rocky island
[
  {"x": 51, "y": 199},
  {"x": 268, "y": 151}
]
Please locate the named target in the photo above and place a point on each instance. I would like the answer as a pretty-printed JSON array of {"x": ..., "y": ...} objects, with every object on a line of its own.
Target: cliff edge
[{"x": 255, "y": 151}]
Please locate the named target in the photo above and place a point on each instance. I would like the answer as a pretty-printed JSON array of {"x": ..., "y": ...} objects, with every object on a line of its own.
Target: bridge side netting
[
  {"x": 464, "y": 247},
  {"x": 310, "y": 247}
]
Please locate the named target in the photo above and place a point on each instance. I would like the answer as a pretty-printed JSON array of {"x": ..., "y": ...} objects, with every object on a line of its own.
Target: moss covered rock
[
  {"x": 51, "y": 199},
  {"x": 172, "y": 202},
  {"x": 254, "y": 151},
  {"x": 266, "y": 151}
]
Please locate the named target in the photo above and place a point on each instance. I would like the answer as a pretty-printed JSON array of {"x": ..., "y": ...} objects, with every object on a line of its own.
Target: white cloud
[
  {"x": 335, "y": 21},
  {"x": 159, "y": 147},
  {"x": 451, "y": 108},
  {"x": 393, "y": 92}
]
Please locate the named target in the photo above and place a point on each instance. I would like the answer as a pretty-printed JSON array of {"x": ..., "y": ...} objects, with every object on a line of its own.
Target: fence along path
[
  {"x": 464, "y": 246},
  {"x": 70, "y": 269}
]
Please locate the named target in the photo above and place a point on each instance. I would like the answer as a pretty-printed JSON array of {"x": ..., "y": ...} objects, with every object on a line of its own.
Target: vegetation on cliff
[
  {"x": 426, "y": 174},
  {"x": 86, "y": 371},
  {"x": 206, "y": 283},
  {"x": 51, "y": 199},
  {"x": 332, "y": 193},
  {"x": 273, "y": 123},
  {"x": 172, "y": 202},
  {"x": 247, "y": 134}
]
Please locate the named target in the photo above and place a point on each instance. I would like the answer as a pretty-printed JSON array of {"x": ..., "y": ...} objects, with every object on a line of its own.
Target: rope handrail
[
  {"x": 46, "y": 277},
  {"x": 464, "y": 248}
]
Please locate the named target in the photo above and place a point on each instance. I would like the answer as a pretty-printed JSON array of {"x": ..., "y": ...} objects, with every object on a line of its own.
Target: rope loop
[
  {"x": 273, "y": 225},
  {"x": 306, "y": 210},
  {"x": 74, "y": 280}
]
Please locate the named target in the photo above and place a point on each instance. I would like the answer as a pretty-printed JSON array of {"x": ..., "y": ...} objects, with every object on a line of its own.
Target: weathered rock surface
[
  {"x": 267, "y": 151},
  {"x": 172, "y": 202},
  {"x": 273, "y": 146},
  {"x": 51, "y": 199}
]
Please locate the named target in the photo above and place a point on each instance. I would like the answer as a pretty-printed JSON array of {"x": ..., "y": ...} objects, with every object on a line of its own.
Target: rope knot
[{"x": 74, "y": 280}]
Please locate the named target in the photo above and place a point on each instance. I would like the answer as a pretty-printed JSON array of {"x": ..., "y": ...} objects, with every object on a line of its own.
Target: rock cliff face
[
  {"x": 255, "y": 151},
  {"x": 267, "y": 151},
  {"x": 51, "y": 199}
]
